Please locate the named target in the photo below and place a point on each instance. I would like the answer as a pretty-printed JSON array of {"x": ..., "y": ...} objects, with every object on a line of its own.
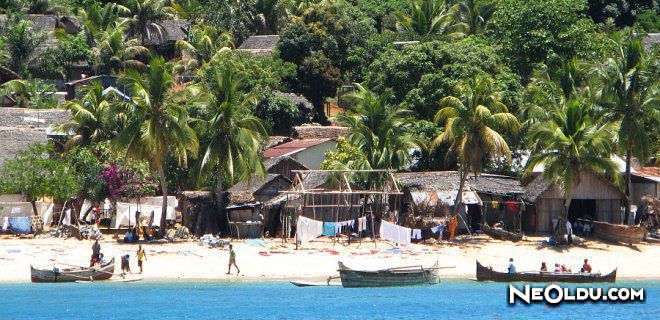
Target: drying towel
[
  {"x": 329, "y": 229},
  {"x": 308, "y": 229},
  {"x": 20, "y": 225},
  {"x": 437, "y": 229},
  {"x": 417, "y": 234},
  {"x": 392, "y": 232},
  {"x": 5, "y": 223},
  {"x": 362, "y": 224}
]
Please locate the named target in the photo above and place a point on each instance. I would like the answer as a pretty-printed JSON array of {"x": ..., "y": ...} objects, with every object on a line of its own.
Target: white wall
[{"x": 313, "y": 157}]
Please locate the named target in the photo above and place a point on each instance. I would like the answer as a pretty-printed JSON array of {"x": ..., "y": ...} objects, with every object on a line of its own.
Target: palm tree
[
  {"x": 380, "y": 130},
  {"x": 572, "y": 142},
  {"x": 205, "y": 44},
  {"x": 474, "y": 15},
  {"x": 234, "y": 137},
  {"x": 157, "y": 123},
  {"x": 21, "y": 42},
  {"x": 553, "y": 85},
  {"x": 428, "y": 17},
  {"x": 92, "y": 117},
  {"x": 472, "y": 120},
  {"x": 96, "y": 19},
  {"x": 629, "y": 93},
  {"x": 146, "y": 17},
  {"x": 113, "y": 53}
]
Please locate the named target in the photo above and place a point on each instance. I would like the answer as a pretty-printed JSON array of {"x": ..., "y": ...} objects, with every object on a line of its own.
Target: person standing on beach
[
  {"x": 141, "y": 256},
  {"x": 96, "y": 250},
  {"x": 512, "y": 267},
  {"x": 569, "y": 232},
  {"x": 453, "y": 224},
  {"x": 232, "y": 260}
]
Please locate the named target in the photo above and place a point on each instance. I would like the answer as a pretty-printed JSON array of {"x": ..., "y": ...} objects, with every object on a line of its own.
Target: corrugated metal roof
[
  {"x": 651, "y": 173},
  {"x": 292, "y": 147}
]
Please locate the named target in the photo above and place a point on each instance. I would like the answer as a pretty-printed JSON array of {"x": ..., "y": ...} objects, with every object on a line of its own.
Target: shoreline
[{"x": 272, "y": 261}]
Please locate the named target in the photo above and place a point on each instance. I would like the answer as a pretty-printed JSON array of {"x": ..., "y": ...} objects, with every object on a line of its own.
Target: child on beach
[{"x": 232, "y": 260}]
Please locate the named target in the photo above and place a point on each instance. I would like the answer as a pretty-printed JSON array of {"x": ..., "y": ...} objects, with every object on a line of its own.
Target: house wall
[
  {"x": 641, "y": 189},
  {"x": 549, "y": 204},
  {"x": 312, "y": 157},
  {"x": 284, "y": 168}
]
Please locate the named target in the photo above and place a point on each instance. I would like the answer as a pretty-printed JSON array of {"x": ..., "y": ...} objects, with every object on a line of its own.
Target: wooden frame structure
[{"x": 342, "y": 200}]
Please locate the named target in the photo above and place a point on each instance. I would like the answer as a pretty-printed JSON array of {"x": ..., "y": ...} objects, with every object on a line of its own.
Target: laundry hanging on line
[
  {"x": 395, "y": 233},
  {"x": 308, "y": 229}
]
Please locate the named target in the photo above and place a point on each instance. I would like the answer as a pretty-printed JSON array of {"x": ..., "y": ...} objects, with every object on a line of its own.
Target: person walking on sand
[
  {"x": 141, "y": 256},
  {"x": 96, "y": 251},
  {"x": 232, "y": 260}
]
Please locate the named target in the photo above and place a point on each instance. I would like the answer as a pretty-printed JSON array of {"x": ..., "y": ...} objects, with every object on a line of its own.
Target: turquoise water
[{"x": 267, "y": 300}]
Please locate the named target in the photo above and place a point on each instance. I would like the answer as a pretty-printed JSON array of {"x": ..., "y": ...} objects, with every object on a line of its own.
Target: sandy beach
[{"x": 318, "y": 259}]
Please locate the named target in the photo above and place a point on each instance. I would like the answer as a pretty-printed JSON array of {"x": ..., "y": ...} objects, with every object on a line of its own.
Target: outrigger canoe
[
  {"x": 501, "y": 234},
  {"x": 392, "y": 277},
  {"x": 488, "y": 274},
  {"x": 102, "y": 272}
]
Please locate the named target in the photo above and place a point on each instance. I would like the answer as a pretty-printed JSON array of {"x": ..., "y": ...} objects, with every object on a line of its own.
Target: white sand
[{"x": 191, "y": 261}]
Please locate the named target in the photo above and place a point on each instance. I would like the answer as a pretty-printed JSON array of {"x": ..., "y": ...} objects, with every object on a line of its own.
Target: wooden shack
[{"x": 595, "y": 198}]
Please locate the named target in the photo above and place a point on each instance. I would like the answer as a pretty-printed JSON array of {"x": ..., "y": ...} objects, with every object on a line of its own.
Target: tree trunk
[
  {"x": 34, "y": 207},
  {"x": 163, "y": 186},
  {"x": 560, "y": 231},
  {"x": 627, "y": 200},
  {"x": 459, "y": 195},
  {"x": 220, "y": 206}
]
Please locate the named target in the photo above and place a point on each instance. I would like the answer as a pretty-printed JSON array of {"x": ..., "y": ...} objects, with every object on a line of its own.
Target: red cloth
[{"x": 512, "y": 206}]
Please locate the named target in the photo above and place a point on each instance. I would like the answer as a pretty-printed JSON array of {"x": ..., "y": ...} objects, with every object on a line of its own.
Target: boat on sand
[{"x": 73, "y": 274}]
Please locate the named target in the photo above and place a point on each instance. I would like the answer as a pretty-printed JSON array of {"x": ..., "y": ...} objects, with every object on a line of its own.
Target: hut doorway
[
  {"x": 582, "y": 209},
  {"x": 474, "y": 212}
]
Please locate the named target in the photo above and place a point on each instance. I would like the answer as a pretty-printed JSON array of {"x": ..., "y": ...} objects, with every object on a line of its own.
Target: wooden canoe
[
  {"x": 501, "y": 234},
  {"x": 619, "y": 232},
  {"x": 488, "y": 274},
  {"x": 103, "y": 272},
  {"x": 392, "y": 277}
]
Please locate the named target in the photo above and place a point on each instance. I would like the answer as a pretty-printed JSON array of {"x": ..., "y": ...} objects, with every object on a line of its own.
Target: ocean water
[{"x": 455, "y": 299}]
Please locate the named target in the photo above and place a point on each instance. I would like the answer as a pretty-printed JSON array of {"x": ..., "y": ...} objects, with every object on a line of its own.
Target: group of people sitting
[{"x": 559, "y": 268}]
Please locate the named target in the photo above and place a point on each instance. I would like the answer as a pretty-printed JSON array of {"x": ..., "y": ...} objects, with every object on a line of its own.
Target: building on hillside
[
  {"x": 263, "y": 45},
  {"x": 314, "y": 131},
  {"x": 20, "y": 128},
  {"x": 283, "y": 165},
  {"x": 594, "y": 198},
  {"x": 309, "y": 152},
  {"x": 173, "y": 30},
  {"x": 73, "y": 87}
]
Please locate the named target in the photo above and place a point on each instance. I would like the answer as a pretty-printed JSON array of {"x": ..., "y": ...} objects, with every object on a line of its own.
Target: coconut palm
[
  {"x": 156, "y": 126},
  {"x": 269, "y": 14},
  {"x": 474, "y": 15},
  {"x": 381, "y": 130},
  {"x": 92, "y": 118},
  {"x": 552, "y": 85},
  {"x": 428, "y": 17},
  {"x": 473, "y": 120},
  {"x": 113, "y": 53},
  {"x": 20, "y": 42},
  {"x": 205, "y": 44},
  {"x": 629, "y": 94},
  {"x": 96, "y": 19},
  {"x": 21, "y": 90},
  {"x": 234, "y": 136},
  {"x": 146, "y": 17},
  {"x": 570, "y": 143}
]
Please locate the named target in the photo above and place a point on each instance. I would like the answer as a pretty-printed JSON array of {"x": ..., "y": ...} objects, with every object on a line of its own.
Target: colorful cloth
[
  {"x": 20, "y": 225},
  {"x": 308, "y": 229},
  {"x": 329, "y": 229}
]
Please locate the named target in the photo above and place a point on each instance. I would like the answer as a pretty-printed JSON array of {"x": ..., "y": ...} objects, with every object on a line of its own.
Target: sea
[{"x": 451, "y": 299}]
